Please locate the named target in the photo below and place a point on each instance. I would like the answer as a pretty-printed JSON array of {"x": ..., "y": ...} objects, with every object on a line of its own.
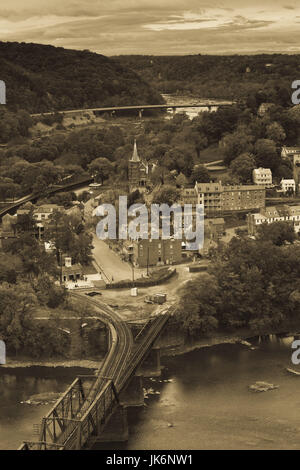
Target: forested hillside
[
  {"x": 43, "y": 78},
  {"x": 228, "y": 77}
]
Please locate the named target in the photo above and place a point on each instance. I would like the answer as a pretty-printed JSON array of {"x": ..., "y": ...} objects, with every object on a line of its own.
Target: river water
[
  {"x": 20, "y": 421},
  {"x": 188, "y": 100},
  {"x": 201, "y": 401}
]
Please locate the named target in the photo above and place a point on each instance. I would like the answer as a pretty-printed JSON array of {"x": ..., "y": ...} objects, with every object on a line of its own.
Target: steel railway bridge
[{"x": 81, "y": 415}]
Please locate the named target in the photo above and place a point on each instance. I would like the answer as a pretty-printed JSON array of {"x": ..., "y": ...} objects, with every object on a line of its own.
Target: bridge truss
[{"x": 85, "y": 408}]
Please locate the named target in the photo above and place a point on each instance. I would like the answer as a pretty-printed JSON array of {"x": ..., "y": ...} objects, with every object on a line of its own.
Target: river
[
  {"x": 202, "y": 401},
  {"x": 21, "y": 421},
  {"x": 188, "y": 100}
]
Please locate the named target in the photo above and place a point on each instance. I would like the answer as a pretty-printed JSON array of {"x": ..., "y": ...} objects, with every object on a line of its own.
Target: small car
[{"x": 92, "y": 294}]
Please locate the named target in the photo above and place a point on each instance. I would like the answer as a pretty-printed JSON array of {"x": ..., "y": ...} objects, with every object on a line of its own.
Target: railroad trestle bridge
[{"x": 94, "y": 407}]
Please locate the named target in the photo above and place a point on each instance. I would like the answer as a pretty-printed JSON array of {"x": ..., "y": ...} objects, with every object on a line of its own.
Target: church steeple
[{"x": 135, "y": 156}]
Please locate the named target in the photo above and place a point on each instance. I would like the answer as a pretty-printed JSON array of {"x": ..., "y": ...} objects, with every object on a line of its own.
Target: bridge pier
[
  {"x": 174, "y": 111},
  {"x": 116, "y": 430},
  {"x": 133, "y": 395},
  {"x": 141, "y": 113},
  {"x": 151, "y": 366}
]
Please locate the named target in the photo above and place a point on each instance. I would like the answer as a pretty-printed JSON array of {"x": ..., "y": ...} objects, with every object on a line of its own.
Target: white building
[
  {"x": 45, "y": 211},
  {"x": 288, "y": 185},
  {"x": 263, "y": 177},
  {"x": 284, "y": 213}
]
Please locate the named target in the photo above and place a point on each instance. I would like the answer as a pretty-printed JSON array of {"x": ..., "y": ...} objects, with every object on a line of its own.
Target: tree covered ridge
[
  {"x": 215, "y": 76},
  {"x": 41, "y": 78}
]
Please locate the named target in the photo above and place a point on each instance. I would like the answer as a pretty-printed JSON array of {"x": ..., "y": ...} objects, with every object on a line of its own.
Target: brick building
[
  {"x": 188, "y": 195},
  {"x": 217, "y": 198},
  {"x": 156, "y": 252},
  {"x": 237, "y": 198}
]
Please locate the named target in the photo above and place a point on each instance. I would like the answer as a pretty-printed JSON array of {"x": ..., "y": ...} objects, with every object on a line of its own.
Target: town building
[
  {"x": 188, "y": 195},
  {"x": 214, "y": 229},
  {"x": 289, "y": 152},
  {"x": 43, "y": 212},
  {"x": 76, "y": 275},
  {"x": 217, "y": 198},
  {"x": 288, "y": 185},
  {"x": 210, "y": 196},
  {"x": 155, "y": 252},
  {"x": 285, "y": 213},
  {"x": 262, "y": 177},
  {"x": 138, "y": 171}
]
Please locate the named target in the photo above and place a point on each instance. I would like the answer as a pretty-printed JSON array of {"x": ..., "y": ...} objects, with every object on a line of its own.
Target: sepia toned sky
[{"x": 159, "y": 27}]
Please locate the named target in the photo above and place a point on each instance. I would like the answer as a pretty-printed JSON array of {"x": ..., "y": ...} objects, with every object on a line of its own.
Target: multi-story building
[
  {"x": 188, "y": 195},
  {"x": 288, "y": 185},
  {"x": 238, "y": 198},
  {"x": 156, "y": 252},
  {"x": 138, "y": 171},
  {"x": 42, "y": 216},
  {"x": 210, "y": 195},
  {"x": 285, "y": 213},
  {"x": 217, "y": 198},
  {"x": 262, "y": 177}
]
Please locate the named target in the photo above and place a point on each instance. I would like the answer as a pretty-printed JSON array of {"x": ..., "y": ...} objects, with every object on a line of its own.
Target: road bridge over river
[
  {"x": 80, "y": 417},
  {"x": 209, "y": 104}
]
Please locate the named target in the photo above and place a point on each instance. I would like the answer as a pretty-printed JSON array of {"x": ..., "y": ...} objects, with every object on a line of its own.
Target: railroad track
[{"x": 94, "y": 407}]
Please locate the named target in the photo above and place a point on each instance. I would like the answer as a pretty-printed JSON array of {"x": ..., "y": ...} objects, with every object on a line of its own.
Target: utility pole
[
  {"x": 132, "y": 273},
  {"x": 148, "y": 260},
  {"x": 132, "y": 267},
  {"x": 60, "y": 262}
]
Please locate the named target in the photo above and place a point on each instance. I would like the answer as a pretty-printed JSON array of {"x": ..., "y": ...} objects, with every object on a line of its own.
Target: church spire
[{"x": 135, "y": 157}]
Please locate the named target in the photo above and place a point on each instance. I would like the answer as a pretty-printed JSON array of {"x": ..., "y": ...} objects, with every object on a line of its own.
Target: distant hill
[
  {"x": 42, "y": 78},
  {"x": 225, "y": 77}
]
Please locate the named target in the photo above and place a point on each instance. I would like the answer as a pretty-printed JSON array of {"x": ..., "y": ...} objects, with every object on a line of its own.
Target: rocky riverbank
[
  {"x": 179, "y": 346},
  {"x": 26, "y": 363}
]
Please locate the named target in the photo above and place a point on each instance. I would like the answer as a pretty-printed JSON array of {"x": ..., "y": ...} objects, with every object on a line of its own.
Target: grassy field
[{"x": 211, "y": 154}]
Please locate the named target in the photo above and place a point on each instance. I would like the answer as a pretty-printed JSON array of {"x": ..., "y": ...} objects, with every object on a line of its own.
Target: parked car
[{"x": 92, "y": 294}]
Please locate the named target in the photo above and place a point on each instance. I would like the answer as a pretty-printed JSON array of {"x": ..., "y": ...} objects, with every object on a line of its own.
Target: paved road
[{"x": 112, "y": 265}]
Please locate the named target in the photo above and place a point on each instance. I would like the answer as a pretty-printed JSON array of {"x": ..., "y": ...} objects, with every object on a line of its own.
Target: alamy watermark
[
  {"x": 2, "y": 92},
  {"x": 2, "y": 352},
  {"x": 186, "y": 221},
  {"x": 295, "y": 355}
]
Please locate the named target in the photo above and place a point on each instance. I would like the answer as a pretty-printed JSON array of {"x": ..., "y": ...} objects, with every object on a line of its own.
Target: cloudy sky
[{"x": 113, "y": 27}]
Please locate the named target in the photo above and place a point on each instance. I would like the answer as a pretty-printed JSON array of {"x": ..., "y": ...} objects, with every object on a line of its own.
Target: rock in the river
[
  {"x": 42, "y": 398},
  {"x": 262, "y": 387}
]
